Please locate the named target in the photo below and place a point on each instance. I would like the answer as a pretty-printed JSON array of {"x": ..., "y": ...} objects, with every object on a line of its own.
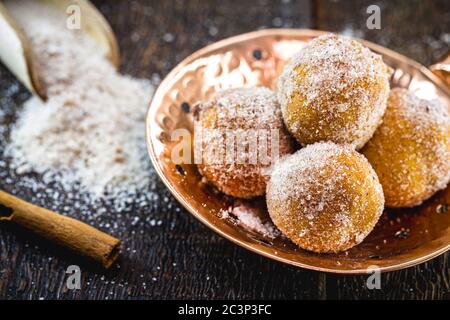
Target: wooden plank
[{"x": 181, "y": 258}]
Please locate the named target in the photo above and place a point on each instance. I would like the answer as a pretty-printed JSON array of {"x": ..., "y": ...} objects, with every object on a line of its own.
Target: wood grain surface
[{"x": 179, "y": 258}]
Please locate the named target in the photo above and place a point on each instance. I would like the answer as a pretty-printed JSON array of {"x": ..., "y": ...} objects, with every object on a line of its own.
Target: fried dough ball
[
  {"x": 325, "y": 197},
  {"x": 410, "y": 151},
  {"x": 252, "y": 116},
  {"x": 334, "y": 89}
]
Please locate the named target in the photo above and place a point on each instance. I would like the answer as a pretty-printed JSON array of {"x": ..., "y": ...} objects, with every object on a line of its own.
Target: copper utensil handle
[
  {"x": 67, "y": 232},
  {"x": 442, "y": 69}
]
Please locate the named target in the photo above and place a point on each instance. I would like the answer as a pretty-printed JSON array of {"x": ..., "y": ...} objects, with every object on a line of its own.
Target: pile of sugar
[
  {"x": 249, "y": 219},
  {"x": 90, "y": 131},
  {"x": 332, "y": 65}
]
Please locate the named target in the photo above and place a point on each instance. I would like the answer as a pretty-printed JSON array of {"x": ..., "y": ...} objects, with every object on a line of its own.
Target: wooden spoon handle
[{"x": 65, "y": 231}]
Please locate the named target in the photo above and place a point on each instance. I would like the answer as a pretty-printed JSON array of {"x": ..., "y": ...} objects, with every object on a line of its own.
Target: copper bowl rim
[{"x": 250, "y": 36}]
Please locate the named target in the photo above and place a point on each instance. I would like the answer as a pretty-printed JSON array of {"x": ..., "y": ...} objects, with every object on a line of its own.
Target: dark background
[{"x": 181, "y": 258}]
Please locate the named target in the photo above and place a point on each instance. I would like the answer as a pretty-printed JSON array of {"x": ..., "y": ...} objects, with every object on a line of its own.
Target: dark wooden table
[{"x": 181, "y": 258}]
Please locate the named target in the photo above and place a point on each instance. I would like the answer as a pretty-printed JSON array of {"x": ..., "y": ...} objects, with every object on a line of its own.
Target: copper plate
[{"x": 402, "y": 238}]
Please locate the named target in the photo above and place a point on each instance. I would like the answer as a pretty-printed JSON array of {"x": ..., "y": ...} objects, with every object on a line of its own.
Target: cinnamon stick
[{"x": 70, "y": 233}]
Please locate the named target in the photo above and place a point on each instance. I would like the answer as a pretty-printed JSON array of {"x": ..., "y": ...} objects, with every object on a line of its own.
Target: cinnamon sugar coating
[
  {"x": 241, "y": 112},
  {"x": 334, "y": 89},
  {"x": 410, "y": 151},
  {"x": 325, "y": 197}
]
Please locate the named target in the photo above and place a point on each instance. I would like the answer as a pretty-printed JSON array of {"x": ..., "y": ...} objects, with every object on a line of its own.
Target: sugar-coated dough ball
[
  {"x": 410, "y": 151},
  {"x": 240, "y": 112},
  {"x": 334, "y": 89},
  {"x": 325, "y": 197}
]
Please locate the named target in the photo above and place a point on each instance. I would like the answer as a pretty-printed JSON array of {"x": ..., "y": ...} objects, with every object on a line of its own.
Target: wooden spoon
[{"x": 16, "y": 52}]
